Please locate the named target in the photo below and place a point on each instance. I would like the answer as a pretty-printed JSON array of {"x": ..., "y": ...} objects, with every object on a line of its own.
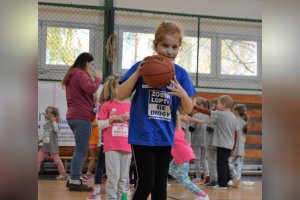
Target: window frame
[
  {"x": 43, "y": 26},
  {"x": 221, "y": 37}
]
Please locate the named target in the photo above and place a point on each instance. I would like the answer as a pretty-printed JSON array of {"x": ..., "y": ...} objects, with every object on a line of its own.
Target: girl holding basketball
[{"x": 153, "y": 115}]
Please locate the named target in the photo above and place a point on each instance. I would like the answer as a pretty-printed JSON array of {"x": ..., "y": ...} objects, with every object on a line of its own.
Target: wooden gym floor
[{"x": 55, "y": 190}]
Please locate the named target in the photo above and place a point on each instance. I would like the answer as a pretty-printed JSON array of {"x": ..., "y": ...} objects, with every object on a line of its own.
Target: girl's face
[
  {"x": 220, "y": 106},
  {"x": 48, "y": 113},
  {"x": 236, "y": 113},
  {"x": 168, "y": 47}
]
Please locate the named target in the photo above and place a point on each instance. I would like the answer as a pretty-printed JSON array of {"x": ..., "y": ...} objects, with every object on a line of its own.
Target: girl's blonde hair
[
  {"x": 55, "y": 112},
  {"x": 226, "y": 100},
  {"x": 166, "y": 28},
  {"x": 107, "y": 92}
]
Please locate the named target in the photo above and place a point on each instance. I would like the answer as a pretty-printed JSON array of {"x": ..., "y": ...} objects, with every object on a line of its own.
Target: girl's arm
[
  {"x": 87, "y": 84},
  {"x": 202, "y": 110},
  {"x": 103, "y": 124},
  {"x": 53, "y": 118},
  {"x": 55, "y": 126},
  {"x": 126, "y": 88},
  {"x": 186, "y": 101},
  {"x": 195, "y": 120}
]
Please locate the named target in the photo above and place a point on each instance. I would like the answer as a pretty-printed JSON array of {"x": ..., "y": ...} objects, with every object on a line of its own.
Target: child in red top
[
  {"x": 182, "y": 154},
  {"x": 113, "y": 121}
]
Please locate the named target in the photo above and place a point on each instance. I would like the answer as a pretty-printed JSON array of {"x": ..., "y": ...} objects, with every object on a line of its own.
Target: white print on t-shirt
[
  {"x": 46, "y": 138},
  {"x": 120, "y": 129},
  {"x": 159, "y": 105}
]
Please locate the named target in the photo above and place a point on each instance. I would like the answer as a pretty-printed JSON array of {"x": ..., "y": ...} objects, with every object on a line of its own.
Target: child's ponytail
[{"x": 242, "y": 112}]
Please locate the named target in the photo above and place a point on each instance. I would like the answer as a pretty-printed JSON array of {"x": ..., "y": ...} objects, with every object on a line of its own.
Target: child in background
[
  {"x": 113, "y": 121},
  {"x": 224, "y": 136},
  {"x": 211, "y": 151},
  {"x": 50, "y": 141},
  {"x": 152, "y": 134},
  {"x": 236, "y": 158},
  {"x": 100, "y": 165},
  {"x": 179, "y": 167},
  {"x": 93, "y": 145},
  {"x": 199, "y": 143}
]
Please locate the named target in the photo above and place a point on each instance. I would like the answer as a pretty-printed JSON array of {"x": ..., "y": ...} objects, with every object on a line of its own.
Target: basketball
[{"x": 157, "y": 71}]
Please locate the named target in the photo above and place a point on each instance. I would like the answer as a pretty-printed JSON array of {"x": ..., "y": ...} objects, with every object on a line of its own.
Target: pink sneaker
[
  {"x": 94, "y": 196},
  {"x": 88, "y": 178}
]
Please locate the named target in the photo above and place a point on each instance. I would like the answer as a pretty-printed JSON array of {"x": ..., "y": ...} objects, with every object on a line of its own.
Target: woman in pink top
[
  {"x": 80, "y": 83},
  {"x": 182, "y": 154},
  {"x": 113, "y": 121}
]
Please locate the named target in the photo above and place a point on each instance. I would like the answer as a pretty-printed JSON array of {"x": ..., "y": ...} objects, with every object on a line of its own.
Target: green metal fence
[{"x": 217, "y": 52}]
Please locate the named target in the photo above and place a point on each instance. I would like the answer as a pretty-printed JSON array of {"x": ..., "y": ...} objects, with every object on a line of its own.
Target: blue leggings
[{"x": 180, "y": 173}]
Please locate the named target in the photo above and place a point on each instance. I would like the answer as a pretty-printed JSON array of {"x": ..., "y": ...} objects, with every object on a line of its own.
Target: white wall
[{"x": 226, "y": 8}]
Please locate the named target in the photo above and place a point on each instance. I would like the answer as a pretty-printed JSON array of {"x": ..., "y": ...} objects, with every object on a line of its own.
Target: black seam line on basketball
[
  {"x": 158, "y": 63},
  {"x": 155, "y": 74}
]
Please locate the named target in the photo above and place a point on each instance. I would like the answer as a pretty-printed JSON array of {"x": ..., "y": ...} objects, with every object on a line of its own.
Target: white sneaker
[
  {"x": 230, "y": 183},
  {"x": 236, "y": 183},
  {"x": 202, "y": 198},
  {"x": 217, "y": 187}
]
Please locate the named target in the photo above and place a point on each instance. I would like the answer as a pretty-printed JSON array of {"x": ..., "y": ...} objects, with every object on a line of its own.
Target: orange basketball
[{"x": 157, "y": 71}]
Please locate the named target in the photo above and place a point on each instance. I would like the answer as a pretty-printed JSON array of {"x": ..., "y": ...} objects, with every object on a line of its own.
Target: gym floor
[{"x": 251, "y": 189}]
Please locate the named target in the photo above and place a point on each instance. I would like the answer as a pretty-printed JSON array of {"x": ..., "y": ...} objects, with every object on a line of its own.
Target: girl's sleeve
[
  {"x": 129, "y": 73},
  {"x": 104, "y": 112},
  {"x": 87, "y": 84},
  {"x": 185, "y": 81},
  {"x": 103, "y": 116}
]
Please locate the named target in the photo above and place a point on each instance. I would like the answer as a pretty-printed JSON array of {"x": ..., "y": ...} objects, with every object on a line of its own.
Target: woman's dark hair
[
  {"x": 80, "y": 62},
  {"x": 242, "y": 111}
]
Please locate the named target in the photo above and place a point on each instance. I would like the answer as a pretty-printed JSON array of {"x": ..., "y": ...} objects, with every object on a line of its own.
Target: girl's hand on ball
[{"x": 176, "y": 89}]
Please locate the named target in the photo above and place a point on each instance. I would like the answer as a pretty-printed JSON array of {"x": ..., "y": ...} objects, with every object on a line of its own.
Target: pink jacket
[
  {"x": 79, "y": 94},
  {"x": 182, "y": 150}
]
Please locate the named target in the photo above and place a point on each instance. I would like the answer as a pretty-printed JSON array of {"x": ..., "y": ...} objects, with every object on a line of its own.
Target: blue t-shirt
[{"x": 153, "y": 111}]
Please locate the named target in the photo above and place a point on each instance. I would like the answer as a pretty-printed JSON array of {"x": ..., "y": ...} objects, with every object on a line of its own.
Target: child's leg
[
  {"x": 112, "y": 162},
  {"x": 162, "y": 157},
  {"x": 232, "y": 166},
  {"x": 85, "y": 159},
  {"x": 58, "y": 163},
  {"x": 197, "y": 152},
  {"x": 172, "y": 169},
  {"x": 181, "y": 174},
  {"x": 212, "y": 163},
  {"x": 204, "y": 161},
  {"x": 93, "y": 154},
  {"x": 222, "y": 166},
  {"x": 41, "y": 157},
  {"x": 99, "y": 166},
  {"x": 144, "y": 159},
  {"x": 240, "y": 162},
  {"x": 124, "y": 174}
]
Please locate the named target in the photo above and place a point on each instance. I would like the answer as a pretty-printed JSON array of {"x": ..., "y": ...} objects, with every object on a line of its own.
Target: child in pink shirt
[
  {"x": 182, "y": 154},
  {"x": 113, "y": 121}
]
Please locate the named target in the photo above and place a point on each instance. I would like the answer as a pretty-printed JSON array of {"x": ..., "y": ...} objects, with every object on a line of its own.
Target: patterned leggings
[{"x": 180, "y": 172}]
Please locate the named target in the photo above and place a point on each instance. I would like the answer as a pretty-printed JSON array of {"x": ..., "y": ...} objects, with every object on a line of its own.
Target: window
[
  {"x": 136, "y": 46},
  {"x": 238, "y": 57},
  {"x": 65, "y": 44}
]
